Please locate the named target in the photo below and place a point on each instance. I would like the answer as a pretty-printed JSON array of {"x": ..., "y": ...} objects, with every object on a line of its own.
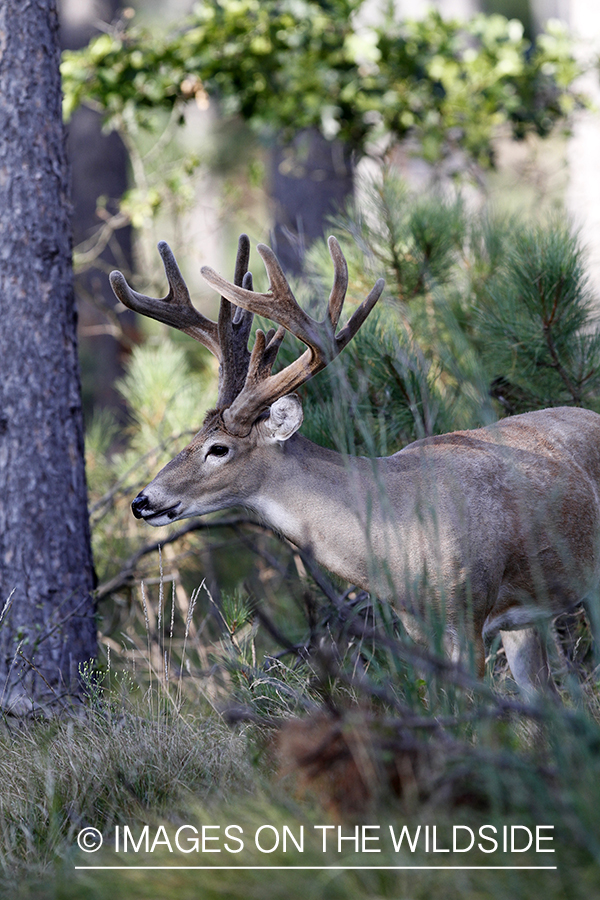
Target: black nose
[{"x": 139, "y": 505}]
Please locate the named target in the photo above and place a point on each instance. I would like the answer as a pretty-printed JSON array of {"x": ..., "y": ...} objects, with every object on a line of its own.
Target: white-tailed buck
[{"x": 491, "y": 530}]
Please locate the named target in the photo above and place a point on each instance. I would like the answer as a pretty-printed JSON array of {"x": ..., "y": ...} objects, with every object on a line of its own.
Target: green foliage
[
  {"x": 380, "y": 396},
  {"x": 293, "y": 64},
  {"x": 165, "y": 397},
  {"x": 452, "y": 84},
  {"x": 417, "y": 240},
  {"x": 478, "y": 307},
  {"x": 539, "y": 323}
]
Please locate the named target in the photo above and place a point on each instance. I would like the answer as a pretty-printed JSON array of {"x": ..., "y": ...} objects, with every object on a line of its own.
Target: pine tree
[{"x": 48, "y": 625}]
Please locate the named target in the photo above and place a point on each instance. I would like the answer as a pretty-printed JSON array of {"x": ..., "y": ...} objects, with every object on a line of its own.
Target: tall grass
[{"x": 388, "y": 735}]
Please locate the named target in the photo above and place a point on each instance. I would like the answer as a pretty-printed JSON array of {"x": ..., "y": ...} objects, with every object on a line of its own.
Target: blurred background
[{"x": 231, "y": 165}]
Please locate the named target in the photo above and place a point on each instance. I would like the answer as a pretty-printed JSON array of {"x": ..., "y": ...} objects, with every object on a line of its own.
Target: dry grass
[{"x": 104, "y": 768}]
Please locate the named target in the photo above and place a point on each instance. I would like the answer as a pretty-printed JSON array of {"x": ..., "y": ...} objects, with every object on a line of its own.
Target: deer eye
[{"x": 218, "y": 450}]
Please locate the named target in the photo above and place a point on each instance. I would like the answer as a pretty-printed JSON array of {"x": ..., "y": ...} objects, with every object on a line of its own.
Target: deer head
[{"x": 257, "y": 409}]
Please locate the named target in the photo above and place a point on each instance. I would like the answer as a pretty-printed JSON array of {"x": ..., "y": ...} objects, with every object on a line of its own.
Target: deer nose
[{"x": 138, "y": 506}]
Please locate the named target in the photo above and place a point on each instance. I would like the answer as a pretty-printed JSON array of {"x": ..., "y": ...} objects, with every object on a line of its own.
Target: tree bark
[
  {"x": 311, "y": 178},
  {"x": 48, "y": 624}
]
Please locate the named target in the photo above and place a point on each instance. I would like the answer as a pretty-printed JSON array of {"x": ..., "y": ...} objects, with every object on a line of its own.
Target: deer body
[{"x": 491, "y": 530}]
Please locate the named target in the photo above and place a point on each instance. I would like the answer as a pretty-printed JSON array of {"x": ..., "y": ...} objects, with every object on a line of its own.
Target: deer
[{"x": 494, "y": 530}]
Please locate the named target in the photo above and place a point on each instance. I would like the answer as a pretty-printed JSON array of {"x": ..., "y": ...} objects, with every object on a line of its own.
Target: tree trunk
[
  {"x": 48, "y": 625},
  {"x": 311, "y": 178}
]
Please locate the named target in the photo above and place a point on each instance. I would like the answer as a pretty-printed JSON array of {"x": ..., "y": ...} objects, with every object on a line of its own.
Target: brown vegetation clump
[{"x": 353, "y": 762}]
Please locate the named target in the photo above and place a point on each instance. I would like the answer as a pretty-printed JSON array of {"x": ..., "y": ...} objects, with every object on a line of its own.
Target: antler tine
[
  {"x": 234, "y": 331},
  {"x": 176, "y": 309},
  {"x": 340, "y": 282},
  {"x": 264, "y": 353},
  {"x": 242, "y": 259},
  {"x": 279, "y": 304},
  {"x": 359, "y": 315}
]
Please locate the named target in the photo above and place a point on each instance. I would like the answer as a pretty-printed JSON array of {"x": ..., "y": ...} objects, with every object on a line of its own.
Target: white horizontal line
[{"x": 315, "y": 868}]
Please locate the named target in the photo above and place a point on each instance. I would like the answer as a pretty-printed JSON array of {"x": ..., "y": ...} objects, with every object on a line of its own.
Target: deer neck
[{"x": 317, "y": 499}]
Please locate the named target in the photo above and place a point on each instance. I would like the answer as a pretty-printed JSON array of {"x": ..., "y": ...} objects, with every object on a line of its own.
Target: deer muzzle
[{"x": 142, "y": 509}]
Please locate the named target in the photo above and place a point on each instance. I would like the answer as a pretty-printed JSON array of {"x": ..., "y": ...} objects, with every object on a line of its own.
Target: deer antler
[
  {"x": 234, "y": 331},
  {"x": 227, "y": 339},
  {"x": 175, "y": 309},
  {"x": 246, "y": 384},
  {"x": 261, "y": 388}
]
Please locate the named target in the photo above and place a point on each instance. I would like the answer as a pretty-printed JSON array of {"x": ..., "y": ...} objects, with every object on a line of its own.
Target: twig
[
  {"x": 70, "y": 615},
  {"x": 128, "y": 570},
  {"x": 35, "y": 669}
]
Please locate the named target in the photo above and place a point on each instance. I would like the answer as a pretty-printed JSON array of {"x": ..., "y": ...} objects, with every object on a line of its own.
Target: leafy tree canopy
[{"x": 285, "y": 65}]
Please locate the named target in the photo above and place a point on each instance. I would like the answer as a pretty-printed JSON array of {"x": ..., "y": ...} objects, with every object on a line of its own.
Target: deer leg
[
  {"x": 479, "y": 650},
  {"x": 528, "y": 660}
]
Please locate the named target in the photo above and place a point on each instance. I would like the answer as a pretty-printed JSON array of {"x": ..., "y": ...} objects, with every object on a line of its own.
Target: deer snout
[
  {"x": 144, "y": 508},
  {"x": 138, "y": 505}
]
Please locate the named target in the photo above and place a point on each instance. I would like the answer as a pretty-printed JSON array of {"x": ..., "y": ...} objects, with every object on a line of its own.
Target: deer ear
[{"x": 285, "y": 418}]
